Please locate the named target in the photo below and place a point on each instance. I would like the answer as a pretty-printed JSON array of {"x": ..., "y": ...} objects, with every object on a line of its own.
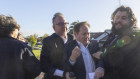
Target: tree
[
  {"x": 44, "y": 36},
  {"x": 72, "y": 26},
  {"x": 33, "y": 40}
]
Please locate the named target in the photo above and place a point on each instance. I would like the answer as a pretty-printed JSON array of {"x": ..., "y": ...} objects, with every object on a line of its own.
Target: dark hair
[
  {"x": 55, "y": 15},
  {"x": 131, "y": 16},
  {"x": 7, "y": 25},
  {"x": 78, "y": 25}
]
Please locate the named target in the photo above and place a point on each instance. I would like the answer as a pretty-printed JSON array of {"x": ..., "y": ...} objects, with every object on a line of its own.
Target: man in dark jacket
[
  {"x": 122, "y": 49},
  {"x": 80, "y": 51},
  {"x": 52, "y": 53},
  {"x": 16, "y": 60}
]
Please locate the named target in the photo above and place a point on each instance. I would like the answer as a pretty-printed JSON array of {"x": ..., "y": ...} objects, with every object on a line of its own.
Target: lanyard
[{"x": 109, "y": 44}]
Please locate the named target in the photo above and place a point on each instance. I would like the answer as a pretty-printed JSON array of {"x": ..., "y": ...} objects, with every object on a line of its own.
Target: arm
[
  {"x": 99, "y": 72},
  {"x": 30, "y": 63},
  {"x": 46, "y": 65},
  {"x": 68, "y": 63}
]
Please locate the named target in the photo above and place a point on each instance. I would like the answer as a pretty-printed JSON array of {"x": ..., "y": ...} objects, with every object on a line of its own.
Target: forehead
[
  {"x": 121, "y": 14},
  {"x": 84, "y": 28},
  {"x": 59, "y": 19}
]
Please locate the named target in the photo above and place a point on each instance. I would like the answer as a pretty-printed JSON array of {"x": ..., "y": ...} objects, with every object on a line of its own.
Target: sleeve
[
  {"x": 99, "y": 61},
  {"x": 58, "y": 73},
  {"x": 72, "y": 62},
  {"x": 30, "y": 63},
  {"x": 46, "y": 65},
  {"x": 68, "y": 66},
  {"x": 93, "y": 48}
]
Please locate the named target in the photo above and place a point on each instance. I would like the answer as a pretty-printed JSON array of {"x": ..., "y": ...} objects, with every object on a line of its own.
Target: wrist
[
  {"x": 101, "y": 55},
  {"x": 72, "y": 59}
]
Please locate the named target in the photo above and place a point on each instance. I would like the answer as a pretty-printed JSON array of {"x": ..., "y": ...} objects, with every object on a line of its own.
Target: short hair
[
  {"x": 7, "y": 25},
  {"x": 79, "y": 25},
  {"x": 130, "y": 13},
  {"x": 55, "y": 15}
]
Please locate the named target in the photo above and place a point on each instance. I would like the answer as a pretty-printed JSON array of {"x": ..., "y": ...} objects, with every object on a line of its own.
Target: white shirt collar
[{"x": 81, "y": 44}]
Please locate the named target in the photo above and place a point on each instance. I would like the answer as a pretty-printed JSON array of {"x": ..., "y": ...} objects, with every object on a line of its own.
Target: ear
[{"x": 75, "y": 34}]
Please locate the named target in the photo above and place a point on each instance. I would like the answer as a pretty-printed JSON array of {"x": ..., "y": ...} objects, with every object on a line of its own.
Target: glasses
[{"x": 62, "y": 23}]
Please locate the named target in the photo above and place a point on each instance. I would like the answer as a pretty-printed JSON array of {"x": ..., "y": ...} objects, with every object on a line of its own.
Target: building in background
[{"x": 100, "y": 37}]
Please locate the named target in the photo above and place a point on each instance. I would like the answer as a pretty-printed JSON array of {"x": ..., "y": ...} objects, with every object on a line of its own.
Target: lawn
[
  {"x": 40, "y": 46},
  {"x": 37, "y": 53}
]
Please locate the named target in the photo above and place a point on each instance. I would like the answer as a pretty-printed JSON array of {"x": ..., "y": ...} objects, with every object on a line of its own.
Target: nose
[
  {"x": 118, "y": 20},
  {"x": 87, "y": 36},
  {"x": 65, "y": 25}
]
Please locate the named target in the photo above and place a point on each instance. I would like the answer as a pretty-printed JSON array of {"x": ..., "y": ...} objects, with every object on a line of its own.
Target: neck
[{"x": 64, "y": 35}]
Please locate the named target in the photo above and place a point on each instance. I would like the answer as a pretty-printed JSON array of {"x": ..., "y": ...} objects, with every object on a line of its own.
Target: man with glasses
[{"x": 52, "y": 54}]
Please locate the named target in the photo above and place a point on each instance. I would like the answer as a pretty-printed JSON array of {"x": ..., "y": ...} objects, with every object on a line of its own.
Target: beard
[{"x": 120, "y": 30}]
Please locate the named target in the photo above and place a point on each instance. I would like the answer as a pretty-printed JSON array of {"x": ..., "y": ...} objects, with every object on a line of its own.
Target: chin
[{"x": 117, "y": 28}]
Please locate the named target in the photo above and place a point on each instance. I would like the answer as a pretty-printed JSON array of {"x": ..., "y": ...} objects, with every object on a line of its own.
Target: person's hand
[
  {"x": 75, "y": 53},
  {"x": 97, "y": 54},
  {"x": 99, "y": 72},
  {"x": 67, "y": 76}
]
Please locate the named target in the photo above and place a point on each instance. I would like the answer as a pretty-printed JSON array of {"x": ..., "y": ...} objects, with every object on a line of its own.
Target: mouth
[
  {"x": 118, "y": 26},
  {"x": 87, "y": 40}
]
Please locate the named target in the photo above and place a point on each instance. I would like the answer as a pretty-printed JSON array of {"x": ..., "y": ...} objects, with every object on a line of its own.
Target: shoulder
[
  {"x": 20, "y": 45},
  {"x": 49, "y": 38},
  {"x": 93, "y": 43},
  {"x": 93, "y": 46},
  {"x": 71, "y": 43},
  {"x": 70, "y": 36}
]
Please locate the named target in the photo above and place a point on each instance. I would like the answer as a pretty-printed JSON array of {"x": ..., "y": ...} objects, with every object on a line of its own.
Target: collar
[
  {"x": 81, "y": 44},
  {"x": 65, "y": 41}
]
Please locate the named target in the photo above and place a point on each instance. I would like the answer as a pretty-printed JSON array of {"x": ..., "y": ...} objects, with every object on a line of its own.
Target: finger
[
  {"x": 93, "y": 54},
  {"x": 76, "y": 47},
  {"x": 76, "y": 50},
  {"x": 102, "y": 74},
  {"x": 98, "y": 75},
  {"x": 95, "y": 75}
]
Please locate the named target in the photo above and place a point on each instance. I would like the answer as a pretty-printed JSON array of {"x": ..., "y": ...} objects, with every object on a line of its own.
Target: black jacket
[
  {"x": 122, "y": 59},
  {"x": 53, "y": 55},
  {"x": 79, "y": 67},
  {"x": 16, "y": 60}
]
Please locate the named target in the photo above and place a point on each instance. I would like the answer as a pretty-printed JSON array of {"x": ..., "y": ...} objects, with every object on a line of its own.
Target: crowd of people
[{"x": 66, "y": 56}]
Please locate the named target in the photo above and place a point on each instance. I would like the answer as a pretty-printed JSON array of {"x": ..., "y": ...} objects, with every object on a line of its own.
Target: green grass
[
  {"x": 37, "y": 53},
  {"x": 40, "y": 46}
]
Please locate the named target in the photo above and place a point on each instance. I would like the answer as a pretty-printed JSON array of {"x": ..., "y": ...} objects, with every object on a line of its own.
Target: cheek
[
  {"x": 126, "y": 22},
  {"x": 114, "y": 21},
  {"x": 58, "y": 28}
]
